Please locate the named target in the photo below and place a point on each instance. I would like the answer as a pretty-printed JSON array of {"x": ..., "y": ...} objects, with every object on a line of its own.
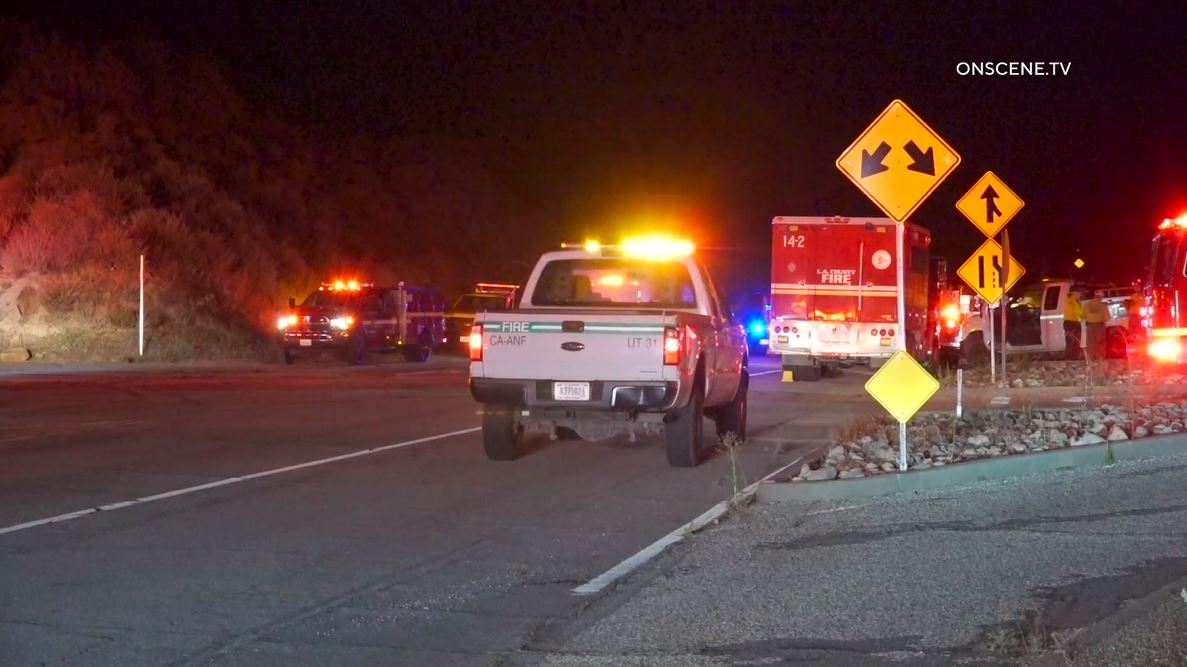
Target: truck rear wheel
[
  {"x": 683, "y": 430},
  {"x": 421, "y": 351},
  {"x": 502, "y": 434},
  {"x": 972, "y": 348},
  {"x": 731, "y": 417}
]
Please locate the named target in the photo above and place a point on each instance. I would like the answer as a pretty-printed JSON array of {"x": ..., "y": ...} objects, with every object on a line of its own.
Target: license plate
[
  {"x": 570, "y": 391},
  {"x": 886, "y": 342},
  {"x": 306, "y": 342}
]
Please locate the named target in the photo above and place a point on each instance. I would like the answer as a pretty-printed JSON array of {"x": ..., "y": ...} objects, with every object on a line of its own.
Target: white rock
[
  {"x": 1141, "y": 432},
  {"x": 1087, "y": 439},
  {"x": 824, "y": 473},
  {"x": 1017, "y": 382},
  {"x": 1057, "y": 437},
  {"x": 1018, "y": 448},
  {"x": 1097, "y": 428},
  {"x": 889, "y": 467},
  {"x": 1162, "y": 429},
  {"x": 884, "y": 454},
  {"x": 837, "y": 454},
  {"x": 978, "y": 440},
  {"x": 852, "y": 473},
  {"x": 1118, "y": 433}
]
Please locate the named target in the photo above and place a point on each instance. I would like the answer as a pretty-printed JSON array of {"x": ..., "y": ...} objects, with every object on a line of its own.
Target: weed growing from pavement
[
  {"x": 729, "y": 445},
  {"x": 1026, "y": 637}
]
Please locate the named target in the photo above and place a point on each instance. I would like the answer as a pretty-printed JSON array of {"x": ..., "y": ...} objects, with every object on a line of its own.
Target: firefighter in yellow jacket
[
  {"x": 1072, "y": 316},
  {"x": 1096, "y": 315}
]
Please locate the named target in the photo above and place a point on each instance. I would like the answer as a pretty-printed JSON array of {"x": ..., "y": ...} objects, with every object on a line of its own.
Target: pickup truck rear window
[{"x": 614, "y": 282}]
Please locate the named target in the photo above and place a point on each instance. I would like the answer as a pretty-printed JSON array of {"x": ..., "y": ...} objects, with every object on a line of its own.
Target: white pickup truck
[
  {"x": 608, "y": 340},
  {"x": 1034, "y": 321}
]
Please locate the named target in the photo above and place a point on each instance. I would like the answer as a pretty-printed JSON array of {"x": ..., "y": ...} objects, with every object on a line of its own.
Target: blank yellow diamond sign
[
  {"x": 898, "y": 161},
  {"x": 902, "y": 386}
]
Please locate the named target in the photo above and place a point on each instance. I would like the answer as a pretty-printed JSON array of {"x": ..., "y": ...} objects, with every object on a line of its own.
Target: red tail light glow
[
  {"x": 476, "y": 342},
  {"x": 673, "y": 345},
  {"x": 1165, "y": 350}
]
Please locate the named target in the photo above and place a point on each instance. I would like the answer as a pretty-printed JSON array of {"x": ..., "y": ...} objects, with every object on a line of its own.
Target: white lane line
[
  {"x": 838, "y": 509},
  {"x": 754, "y": 375},
  {"x": 230, "y": 480},
  {"x": 600, "y": 582}
]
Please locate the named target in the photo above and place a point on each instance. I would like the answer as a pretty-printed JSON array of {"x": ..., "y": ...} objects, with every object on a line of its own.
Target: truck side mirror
[{"x": 292, "y": 302}]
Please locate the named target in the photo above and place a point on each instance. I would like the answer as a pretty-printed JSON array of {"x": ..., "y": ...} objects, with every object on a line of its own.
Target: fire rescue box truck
[
  {"x": 834, "y": 289},
  {"x": 1161, "y": 315}
]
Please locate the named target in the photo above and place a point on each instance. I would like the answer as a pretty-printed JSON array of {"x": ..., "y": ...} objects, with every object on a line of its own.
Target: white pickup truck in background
[
  {"x": 610, "y": 340},
  {"x": 1034, "y": 321}
]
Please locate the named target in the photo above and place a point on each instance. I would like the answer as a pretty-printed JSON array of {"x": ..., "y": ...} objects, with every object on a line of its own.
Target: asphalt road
[{"x": 322, "y": 514}]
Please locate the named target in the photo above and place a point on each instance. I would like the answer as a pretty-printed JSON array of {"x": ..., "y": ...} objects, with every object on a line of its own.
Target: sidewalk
[
  {"x": 1079, "y": 565},
  {"x": 985, "y": 574}
]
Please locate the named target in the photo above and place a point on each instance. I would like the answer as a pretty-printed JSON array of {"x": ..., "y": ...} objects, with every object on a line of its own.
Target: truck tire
[
  {"x": 356, "y": 349},
  {"x": 502, "y": 434},
  {"x": 803, "y": 373},
  {"x": 421, "y": 351},
  {"x": 1116, "y": 345},
  {"x": 731, "y": 417},
  {"x": 972, "y": 348},
  {"x": 683, "y": 430}
]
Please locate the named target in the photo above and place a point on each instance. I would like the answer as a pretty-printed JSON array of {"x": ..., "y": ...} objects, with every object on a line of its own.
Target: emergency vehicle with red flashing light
[
  {"x": 835, "y": 283},
  {"x": 1165, "y": 293},
  {"x": 356, "y": 318},
  {"x": 1034, "y": 320},
  {"x": 486, "y": 296},
  {"x": 607, "y": 340}
]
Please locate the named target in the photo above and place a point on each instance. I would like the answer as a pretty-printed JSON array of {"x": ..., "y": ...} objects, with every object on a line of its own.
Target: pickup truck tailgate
[{"x": 573, "y": 346}]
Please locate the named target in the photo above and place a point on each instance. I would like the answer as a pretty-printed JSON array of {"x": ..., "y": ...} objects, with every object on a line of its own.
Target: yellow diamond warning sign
[
  {"x": 990, "y": 205},
  {"x": 898, "y": 161},
  {"x": 902, "y": 386},
  {"x": 983, "y": 272}
]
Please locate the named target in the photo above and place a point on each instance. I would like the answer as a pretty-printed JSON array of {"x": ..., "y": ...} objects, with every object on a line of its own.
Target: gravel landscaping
[
  {"x": 870, "y": 446},
  {"x": 1033, "y": 372}
]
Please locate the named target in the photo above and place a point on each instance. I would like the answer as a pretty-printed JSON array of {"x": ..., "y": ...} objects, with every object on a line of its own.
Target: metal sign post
[
  {"x": 959, "y": 392},
  {"x": 1005, "y": 277},
  {"x": 141, "y": 327},
  {"x": 992, "y": 347},
  {"x": 902, "y": 328}
]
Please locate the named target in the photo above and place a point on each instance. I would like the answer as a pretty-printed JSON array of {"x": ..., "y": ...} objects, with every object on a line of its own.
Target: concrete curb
[{"x": 961, "y": 474}]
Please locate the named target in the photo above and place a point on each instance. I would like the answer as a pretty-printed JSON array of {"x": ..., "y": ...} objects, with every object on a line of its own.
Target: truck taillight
[
  {"x": 673, "y": 344},
  {"x": 1164, "y": 350},
  {"x": 476, "y": 342}
]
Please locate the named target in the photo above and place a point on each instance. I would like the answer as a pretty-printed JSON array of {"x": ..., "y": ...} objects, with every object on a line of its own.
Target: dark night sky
[{"x": 730, "y": 113}]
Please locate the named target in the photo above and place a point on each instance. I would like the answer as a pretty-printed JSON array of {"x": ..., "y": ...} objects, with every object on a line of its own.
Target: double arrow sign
[
  {"x": 898, "y": 179},
  {"x": 923, "y": 162}
]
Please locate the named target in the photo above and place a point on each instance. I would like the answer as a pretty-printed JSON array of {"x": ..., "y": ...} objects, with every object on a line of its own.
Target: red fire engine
[
  {"x": 357, "y": 318},
  {"x": 834, "y": 289},
  {"x": 1166, "y": 292}
]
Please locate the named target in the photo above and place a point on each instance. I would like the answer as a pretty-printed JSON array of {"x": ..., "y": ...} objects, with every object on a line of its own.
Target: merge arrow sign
[{"x": 990, "y": 204}]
